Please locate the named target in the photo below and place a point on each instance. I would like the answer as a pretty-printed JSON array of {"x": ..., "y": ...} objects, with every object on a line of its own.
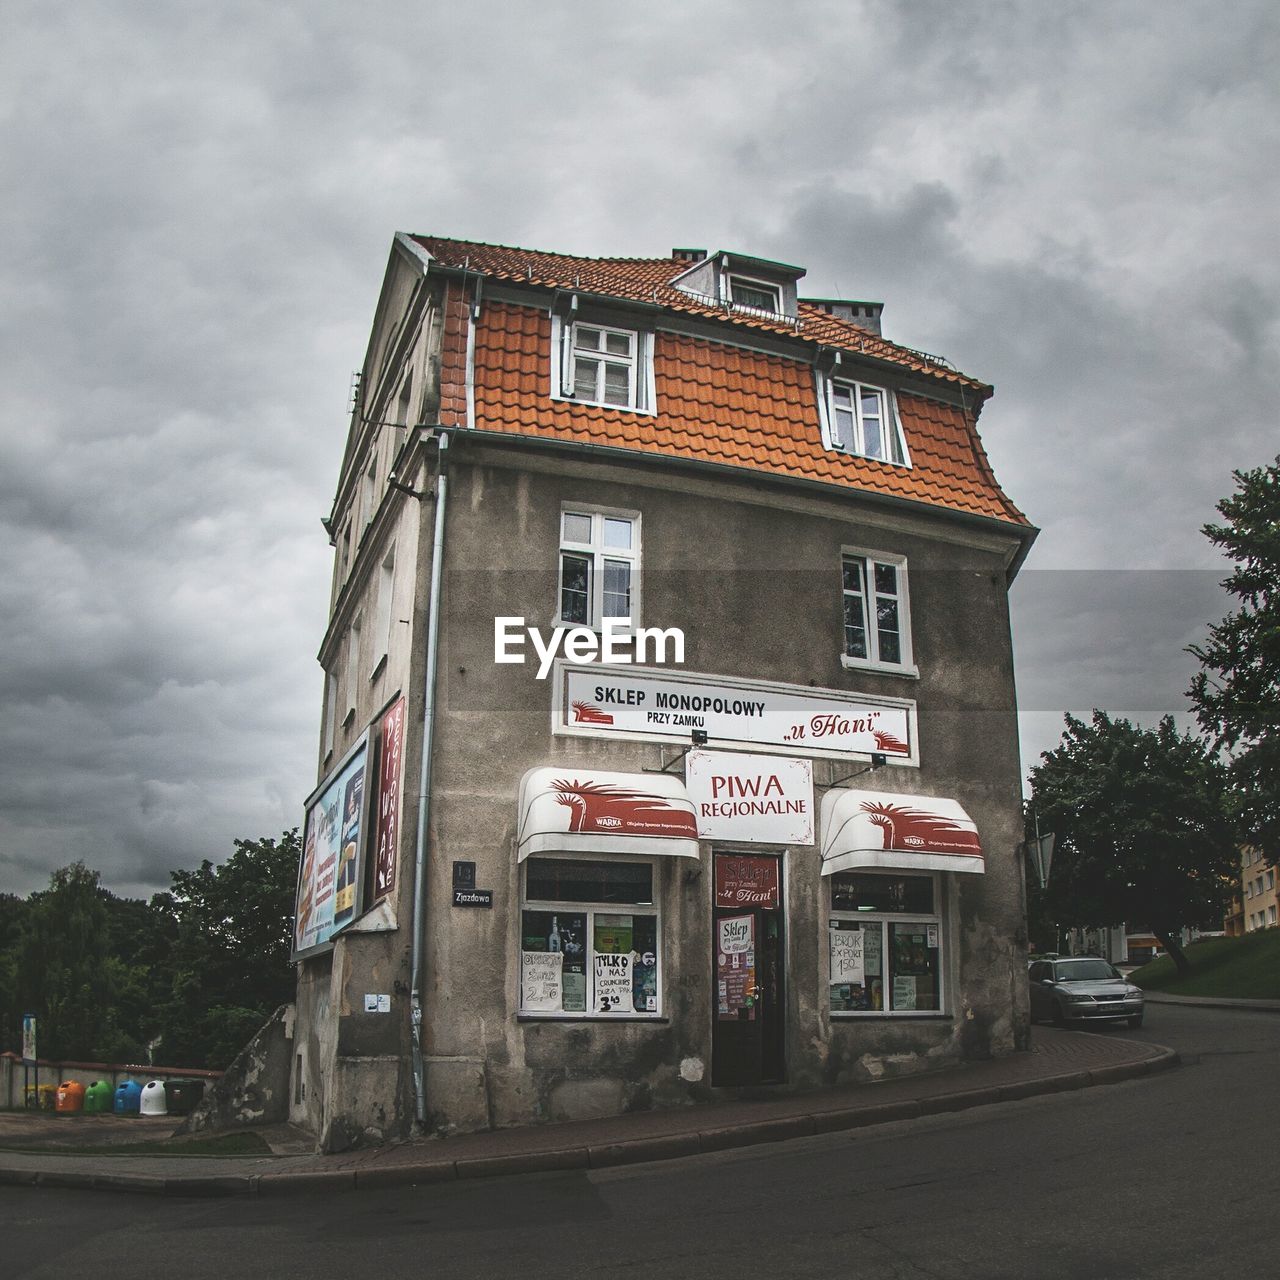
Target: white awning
[
  {"x": 572, "y": 810},
  {"x": 881, "y": 829}
]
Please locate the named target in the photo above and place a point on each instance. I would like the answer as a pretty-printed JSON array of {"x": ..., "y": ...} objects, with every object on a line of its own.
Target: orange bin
[{"x": 70, "y": 1096}]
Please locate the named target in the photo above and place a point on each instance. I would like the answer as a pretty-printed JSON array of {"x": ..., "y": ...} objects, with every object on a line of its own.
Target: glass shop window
[
  {"x": 589, "y": 939},
  {"x": 884, "y": 944}
]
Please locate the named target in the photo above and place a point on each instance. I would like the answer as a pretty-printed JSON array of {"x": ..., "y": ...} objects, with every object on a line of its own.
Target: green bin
[{"x": 98, "y": 1097}]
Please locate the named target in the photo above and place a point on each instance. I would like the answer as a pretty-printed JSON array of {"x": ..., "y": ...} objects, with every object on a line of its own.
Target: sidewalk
[
  {"x": 1059, "y": 1060},
  {"x": 1212, "y": 1002}
]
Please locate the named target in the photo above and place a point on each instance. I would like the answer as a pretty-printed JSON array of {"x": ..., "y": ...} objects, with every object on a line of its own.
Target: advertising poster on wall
[
  {"x": 390, "y": 756},
  {"x": 29, "y": 1037},
  {"x": 330, "y": 874}
]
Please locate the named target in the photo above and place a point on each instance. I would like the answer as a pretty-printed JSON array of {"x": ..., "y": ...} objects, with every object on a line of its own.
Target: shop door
[{"x": 748, "y": 978}]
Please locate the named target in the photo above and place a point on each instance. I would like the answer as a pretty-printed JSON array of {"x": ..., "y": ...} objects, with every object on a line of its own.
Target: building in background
[
  {"x": 1259, "y": 901},
  {"x": 787, "y": 856}
]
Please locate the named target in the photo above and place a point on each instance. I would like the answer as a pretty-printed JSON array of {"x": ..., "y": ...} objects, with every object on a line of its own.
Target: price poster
[
  {"x": 541, "y": 981},
  {"x": 847, "y": 961},
  {"x": 736, "y": 968},
  {"x": 613, "y": 983}
]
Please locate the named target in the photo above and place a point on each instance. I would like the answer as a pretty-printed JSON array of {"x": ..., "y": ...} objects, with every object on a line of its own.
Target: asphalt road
[{"x": 1170, "y": 1176}]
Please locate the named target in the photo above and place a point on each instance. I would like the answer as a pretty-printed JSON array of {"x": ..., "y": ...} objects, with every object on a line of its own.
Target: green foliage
[
  {"x": 184, "y": 980},
  {"x": 1142, "y": 825},
  {"x": 229, "y": 962},
  {"x": 1236, "y": 695},
  {"x": 1246, "y": 968}
]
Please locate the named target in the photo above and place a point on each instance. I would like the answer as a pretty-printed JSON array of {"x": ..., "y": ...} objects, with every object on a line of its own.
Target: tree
[
  {"x": 1143, "y": 829},
  {"x": 1237, "y": 693},
  {"x": 62, "y": 960},
  {"x": 229, "y": 967}
]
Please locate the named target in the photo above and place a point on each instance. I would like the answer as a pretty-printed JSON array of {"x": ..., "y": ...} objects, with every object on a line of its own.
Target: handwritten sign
[
  {"x": 904, "y": 992},
  {"x": 541, "y": 981},
  {"x": 613, "y": 983},
  {"x": 847, "y": 964}
]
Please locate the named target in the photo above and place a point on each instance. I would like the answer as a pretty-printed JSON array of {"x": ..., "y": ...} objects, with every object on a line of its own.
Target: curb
[{"x": 602, "y": 1156}]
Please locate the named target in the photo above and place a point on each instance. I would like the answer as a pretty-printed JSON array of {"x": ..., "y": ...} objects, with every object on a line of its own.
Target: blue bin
[{"x": 128, "y": 1098}]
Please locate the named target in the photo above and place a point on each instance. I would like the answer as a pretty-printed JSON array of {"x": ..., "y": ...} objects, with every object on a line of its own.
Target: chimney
[
  {"x": 689, "y": 255},
  {"x": 866, "y": 315}
]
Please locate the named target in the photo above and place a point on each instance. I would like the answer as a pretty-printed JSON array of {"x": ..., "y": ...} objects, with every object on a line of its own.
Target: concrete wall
[{"x": 254, "y": 1089}]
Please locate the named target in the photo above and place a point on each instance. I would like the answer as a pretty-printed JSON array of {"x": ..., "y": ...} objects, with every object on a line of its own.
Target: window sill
[
  {"x": 593, "y": 1017},
  {"x": 879, "y": 668},
  {"x": 378, "y": 668},
  {"x": 600, "y": 404},
  {"x": 867, "y": 457},
  {"x": 349, "y": 719},
  {"x": 879, "y": 1015}
]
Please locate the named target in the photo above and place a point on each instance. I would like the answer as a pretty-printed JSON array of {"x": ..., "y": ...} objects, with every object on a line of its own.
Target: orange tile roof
[
  {"x": 724, "y": 404},
  {"x": 649, "y": 280}
]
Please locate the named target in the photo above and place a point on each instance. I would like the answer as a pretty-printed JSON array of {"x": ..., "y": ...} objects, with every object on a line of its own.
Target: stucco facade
[{"x": 743, "y": 553}]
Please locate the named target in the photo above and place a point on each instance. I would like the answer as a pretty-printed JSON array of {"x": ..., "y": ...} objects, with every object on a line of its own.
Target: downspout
[{"x": 424, "y": 784}]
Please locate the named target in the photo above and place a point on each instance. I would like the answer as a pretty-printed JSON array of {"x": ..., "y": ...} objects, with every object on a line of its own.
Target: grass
[
  {"x": 223, "y": 1144},
  {"x": 1246, "y": 968}
]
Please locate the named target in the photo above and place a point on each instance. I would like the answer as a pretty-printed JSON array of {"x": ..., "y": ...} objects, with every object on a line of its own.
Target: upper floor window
[
  {"x": 864, "y": 420},
  {"x": 602, "y": 364},
  {"x": 877, "y": 626},
  {"x": 599, "y": 564},
  {"x": 755, "y": 294}
]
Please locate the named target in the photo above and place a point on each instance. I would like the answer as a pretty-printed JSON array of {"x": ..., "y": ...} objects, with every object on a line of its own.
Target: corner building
[{"x": 789, "y": 861}]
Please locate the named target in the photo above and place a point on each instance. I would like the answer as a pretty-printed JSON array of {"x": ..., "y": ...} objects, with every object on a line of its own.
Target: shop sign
[
  {"x": 389, "y": 759},
  {"x": 747, "y": 881},
  {"x": 330, "y": 875},
  {"x": 651, "y": 705},
  {"x": 751, "y": 799}
]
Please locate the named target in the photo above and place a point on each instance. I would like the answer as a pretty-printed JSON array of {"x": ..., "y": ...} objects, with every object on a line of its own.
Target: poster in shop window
[
  {"x": 847, "y": 961},
  {"x": 736, "y": 968},
  {"x": 613, "y": 983},
  {"x": 541, "y": 981}
]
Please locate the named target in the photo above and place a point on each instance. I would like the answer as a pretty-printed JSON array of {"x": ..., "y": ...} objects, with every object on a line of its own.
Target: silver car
[{"x": 1082, "y": 989}]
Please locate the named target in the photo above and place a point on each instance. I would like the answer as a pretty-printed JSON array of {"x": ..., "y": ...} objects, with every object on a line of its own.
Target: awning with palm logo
[
  {"x": 881, "y": 829},
  {"x": 573, "y": 810}
]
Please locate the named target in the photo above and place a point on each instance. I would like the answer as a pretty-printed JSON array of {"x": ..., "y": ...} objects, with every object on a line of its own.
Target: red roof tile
[{"x": 765, "y": 418}]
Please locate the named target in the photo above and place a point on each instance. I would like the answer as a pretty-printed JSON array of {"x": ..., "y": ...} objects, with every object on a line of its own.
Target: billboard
[
  {"x": 390, "y": 755},
  {"x": 332, "y": 870}
]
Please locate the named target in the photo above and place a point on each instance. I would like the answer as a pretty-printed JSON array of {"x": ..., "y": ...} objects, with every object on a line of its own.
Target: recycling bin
[
  {"x": 97, "y": 1097},
  {"x": 128, "y": 1098},
  {"x": 42, "y": 1098},
  {"x": 183, "y": 1096},
  {"x": 152, "y": 1101},
  {"x": 69, "y": 1097}
]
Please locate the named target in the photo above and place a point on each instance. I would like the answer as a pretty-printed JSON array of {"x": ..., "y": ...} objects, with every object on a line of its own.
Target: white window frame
[
  {"x": 386, "y": 602},
  {"x": 564, "y": 344},
  {"x": 884, "y": 919},
  {"x": 598, "y": 553},
  {"x": 733, "y": 278},
  {"x": 591, "y": 910},
  {"x": 890, "y": 420},
  {"x": 905, "y": 666}
]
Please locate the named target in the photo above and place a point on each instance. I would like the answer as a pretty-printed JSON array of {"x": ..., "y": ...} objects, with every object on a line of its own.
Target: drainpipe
[{"x": 424, "y": 783}]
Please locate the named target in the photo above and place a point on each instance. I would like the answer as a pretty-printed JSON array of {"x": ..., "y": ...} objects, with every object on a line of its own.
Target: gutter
[{"x": 424, "y": 782}]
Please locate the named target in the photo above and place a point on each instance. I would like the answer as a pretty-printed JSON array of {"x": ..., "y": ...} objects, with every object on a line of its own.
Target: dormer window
[
  {"x": 755, "y": 295},
  {"x": 602, "y": 364},
  {"x": 863, "y": 420}
]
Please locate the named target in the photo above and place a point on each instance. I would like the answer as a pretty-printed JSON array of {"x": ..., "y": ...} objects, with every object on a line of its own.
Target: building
[
  {"x": 540, "y": 885},
  {"x": 1258, "y": 903}
]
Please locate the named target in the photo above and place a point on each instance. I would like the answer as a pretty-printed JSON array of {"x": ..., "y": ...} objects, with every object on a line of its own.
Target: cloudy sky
[{"x": 1073, "y": 201}]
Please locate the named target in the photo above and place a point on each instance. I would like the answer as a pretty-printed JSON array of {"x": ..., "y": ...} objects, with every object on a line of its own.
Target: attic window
[
  {"x": 602, "y": 364},
  {"x": 754, "y": 295}
]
